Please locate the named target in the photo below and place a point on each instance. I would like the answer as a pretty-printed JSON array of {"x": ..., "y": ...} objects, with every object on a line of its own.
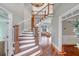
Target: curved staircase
[{"x": 27, "y": 45}]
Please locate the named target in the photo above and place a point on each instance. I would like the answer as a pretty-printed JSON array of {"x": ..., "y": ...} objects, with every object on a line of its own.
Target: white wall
[
  {"x": 70, "y": 39},
  {"x": 28, "y": 16},
  {"x": 67, "y": 27},
  {"x": 17, "y": 10},
  {"x": 17, "y": 20},
  {"x": 59, "y": 9}
]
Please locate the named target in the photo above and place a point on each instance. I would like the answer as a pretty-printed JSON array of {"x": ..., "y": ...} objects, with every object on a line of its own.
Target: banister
[
  {"x": 48, "y": 6},
  {"x": 33, "y": 22},
  {"x": 36, "y": 36},
  {"x": 16, "y": 39},
  {"x": 42, "y": 9},
  {"x": 46, "y": 13}
]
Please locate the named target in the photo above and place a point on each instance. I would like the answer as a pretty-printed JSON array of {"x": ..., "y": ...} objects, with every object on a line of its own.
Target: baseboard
[
  {"x": 55, "y": 51},
  {"x": 55, "y": 46}
]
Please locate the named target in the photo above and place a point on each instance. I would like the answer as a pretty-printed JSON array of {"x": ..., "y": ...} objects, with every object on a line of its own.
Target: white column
[
  {"x": 10, "y": 41},
  {"x": 60, "y": 34}
]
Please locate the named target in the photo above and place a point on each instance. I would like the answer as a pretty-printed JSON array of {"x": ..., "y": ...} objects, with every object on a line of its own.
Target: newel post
[{"x": 16, "y": 39}]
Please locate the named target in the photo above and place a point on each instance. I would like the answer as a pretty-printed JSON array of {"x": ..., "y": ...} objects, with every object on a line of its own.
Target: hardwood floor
[
  {"x": 55, "y": 52},
  {"x": 71, "y": 50},
  {"x": 51, "y": 51}
]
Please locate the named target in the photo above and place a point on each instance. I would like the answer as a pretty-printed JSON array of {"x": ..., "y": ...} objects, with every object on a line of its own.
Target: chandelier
[{"x": 37, "y": 4}]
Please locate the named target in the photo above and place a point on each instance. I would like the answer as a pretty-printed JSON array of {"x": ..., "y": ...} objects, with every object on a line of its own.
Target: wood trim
[
  {"x": 16, "y": 39},
  {"x": 48, "y": 9},
  {"x": 45, "y": 14}
]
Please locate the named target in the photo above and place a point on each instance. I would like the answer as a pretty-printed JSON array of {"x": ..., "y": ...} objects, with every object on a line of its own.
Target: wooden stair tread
[{"x": 26, "y": 51}]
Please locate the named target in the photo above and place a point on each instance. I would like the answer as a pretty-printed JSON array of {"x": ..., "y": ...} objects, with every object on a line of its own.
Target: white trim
[
  {"x": 70, "y": 11},
  {"x": 60, "y": 23},
  {"x": 5, "y": 9},
  {"x": 55, "y": 46},
  {"x": 60, "y": 35},
  {"x": 10, "y": 41}
]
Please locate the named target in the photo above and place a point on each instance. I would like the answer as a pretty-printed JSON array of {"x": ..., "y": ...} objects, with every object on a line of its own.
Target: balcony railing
[{"x": 38, "y": 16}]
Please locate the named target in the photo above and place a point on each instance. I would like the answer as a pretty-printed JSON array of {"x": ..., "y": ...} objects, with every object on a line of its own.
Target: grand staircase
[
  {"x": 27, "y": 42},
  {"x": 27, "y": 45}
]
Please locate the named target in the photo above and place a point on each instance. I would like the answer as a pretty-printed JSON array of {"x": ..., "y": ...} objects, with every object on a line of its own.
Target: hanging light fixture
[{"x": 37, "y": 4}]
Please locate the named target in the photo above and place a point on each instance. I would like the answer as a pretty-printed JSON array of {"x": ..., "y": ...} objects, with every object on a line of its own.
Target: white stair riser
[
  {"x": 27, "y": 41},
  {"x": 26, "y": 37},
  {"x": 27, "y": 45},
  {"x": 27, "y": 33}
]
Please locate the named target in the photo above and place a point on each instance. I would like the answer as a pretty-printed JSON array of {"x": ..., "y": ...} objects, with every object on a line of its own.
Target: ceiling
[
  {"x": 18, "y": 8},
  {"x": 15, "y": 8}
]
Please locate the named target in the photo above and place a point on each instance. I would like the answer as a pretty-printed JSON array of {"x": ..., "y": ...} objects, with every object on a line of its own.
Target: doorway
[
  {"x": 5, "y": 32},
  {"x": 68, "y": 39}
]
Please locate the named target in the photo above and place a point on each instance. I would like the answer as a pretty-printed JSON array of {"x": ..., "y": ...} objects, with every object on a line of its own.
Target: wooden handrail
[
  {"x": 16, "y": 39},
  {"x": 42, "y": 9},
  {"x": 48, "y": 5},
  {"x": 33, "y": 22}
]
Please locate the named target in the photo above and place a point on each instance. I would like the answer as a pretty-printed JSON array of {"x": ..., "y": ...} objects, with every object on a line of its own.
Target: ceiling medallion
[{"x": 37, "y": 4}]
